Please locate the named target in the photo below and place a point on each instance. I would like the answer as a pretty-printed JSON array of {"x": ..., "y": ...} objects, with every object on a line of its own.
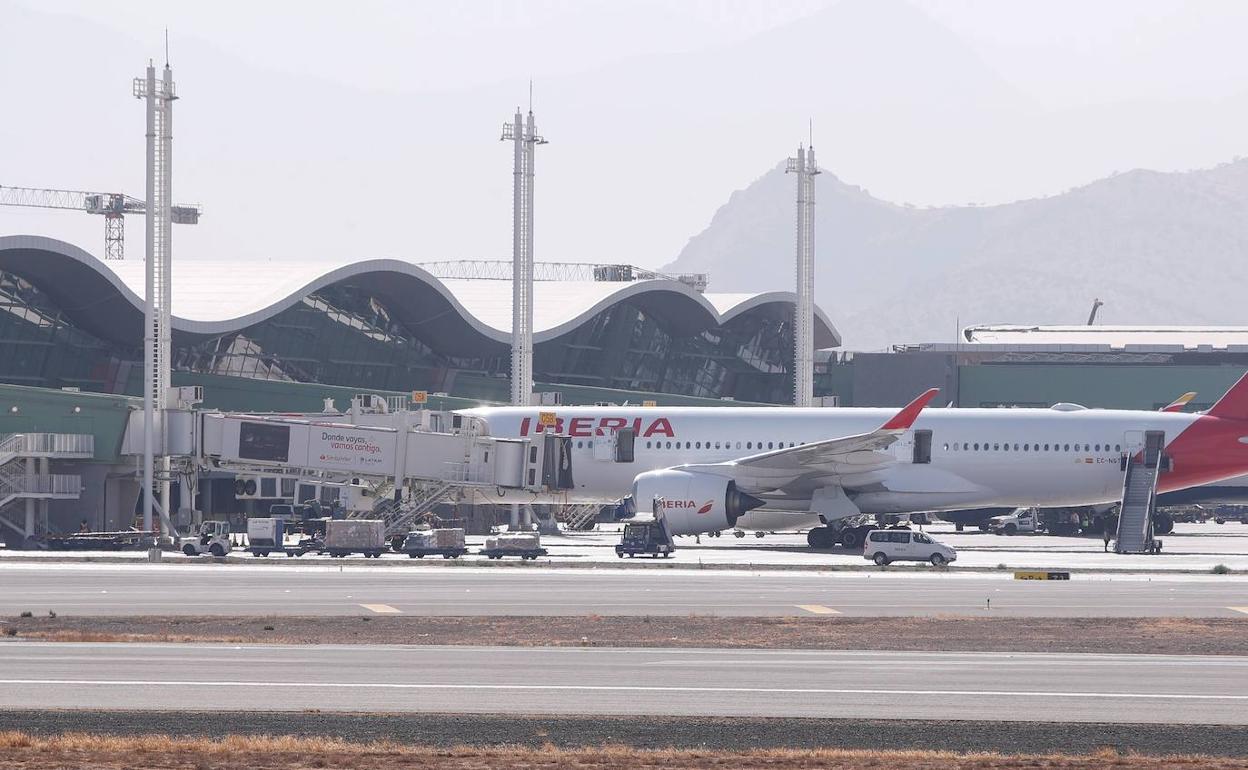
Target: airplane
[{"x": 714, "y": 468}]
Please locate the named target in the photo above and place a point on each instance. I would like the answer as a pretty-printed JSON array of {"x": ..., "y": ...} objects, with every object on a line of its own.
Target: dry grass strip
[
  {"x": 1194, "y": 636},
  {"x": 104, "y": 752}
]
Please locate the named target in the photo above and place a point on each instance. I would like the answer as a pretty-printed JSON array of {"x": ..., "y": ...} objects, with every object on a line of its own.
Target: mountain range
[{"x": 1165, "y": 248}]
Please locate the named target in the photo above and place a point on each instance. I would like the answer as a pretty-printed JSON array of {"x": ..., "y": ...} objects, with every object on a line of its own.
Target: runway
[
  {"x": 614, "y": 681},
  {"x": 89, "y": 589}
]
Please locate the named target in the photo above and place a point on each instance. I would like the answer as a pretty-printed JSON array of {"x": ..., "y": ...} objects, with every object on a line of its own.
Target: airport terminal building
[{"x": 388, "y": 325}]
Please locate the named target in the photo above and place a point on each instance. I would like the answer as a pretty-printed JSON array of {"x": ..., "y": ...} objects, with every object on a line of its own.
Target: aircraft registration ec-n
[{"x": 712, "y": 468}]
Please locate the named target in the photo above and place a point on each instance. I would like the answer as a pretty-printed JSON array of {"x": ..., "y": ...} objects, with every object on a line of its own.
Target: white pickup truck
[{"x": 1021, "y": 520}]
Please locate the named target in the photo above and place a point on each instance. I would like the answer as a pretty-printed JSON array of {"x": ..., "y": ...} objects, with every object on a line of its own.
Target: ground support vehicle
[
  {"x": 1021, "y": 521},
  {"x": 850, "y": 537},
  {"x": 347, "y": 536},
  {"x": 884, "y": 546},
  {"x": 447, "y": 543},
  {"x": 527, "y": 546},
  {"x": 648, "y": 538},
  {"x": 213, "y": 540}
]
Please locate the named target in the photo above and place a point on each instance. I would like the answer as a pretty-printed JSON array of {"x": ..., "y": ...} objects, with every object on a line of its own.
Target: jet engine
[{"x": 690, "y": 502}]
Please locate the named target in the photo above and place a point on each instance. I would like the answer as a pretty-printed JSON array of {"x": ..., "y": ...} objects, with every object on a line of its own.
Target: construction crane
[
  {"x": 1096, "y": 305},
  {"x": 112, "y": 206}
]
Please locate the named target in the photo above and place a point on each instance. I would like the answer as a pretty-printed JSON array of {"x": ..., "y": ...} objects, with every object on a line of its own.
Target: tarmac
[
  {"x": 1192, "y": 548},
  {"x": 605, "y": 681},
  {"x": 298, "y": 587}
]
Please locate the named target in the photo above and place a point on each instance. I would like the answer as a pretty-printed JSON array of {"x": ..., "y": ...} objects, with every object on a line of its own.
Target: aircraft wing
[{"x": 845, "y": 461}]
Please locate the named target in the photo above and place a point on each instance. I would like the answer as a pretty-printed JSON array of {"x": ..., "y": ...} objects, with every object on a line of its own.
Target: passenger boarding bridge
[{"x": 385, "y": 460}]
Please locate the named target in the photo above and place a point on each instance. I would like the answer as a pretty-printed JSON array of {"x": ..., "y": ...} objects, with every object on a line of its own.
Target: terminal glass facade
[
  {"x": 343, "y": 335},
  {"x": 40, "y": 346}
]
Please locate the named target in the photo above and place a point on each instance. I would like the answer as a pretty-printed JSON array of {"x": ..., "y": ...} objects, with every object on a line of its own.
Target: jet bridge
[{"x": 393, "y": 452}]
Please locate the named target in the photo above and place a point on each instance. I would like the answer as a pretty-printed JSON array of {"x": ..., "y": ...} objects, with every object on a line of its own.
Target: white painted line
[
  {"x": 620, "y": 688},
  {"x": 1239, "y": 609},
  {"x": 817, "y": 609},
  {"x": 381, "y": 609}
]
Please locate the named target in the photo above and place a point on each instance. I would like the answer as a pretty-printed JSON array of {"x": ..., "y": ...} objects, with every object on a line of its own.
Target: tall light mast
[
  {"x": 525, "y": 139},
  {"x": 159, "y": 95},
  {"x": 804, "y": 313}
]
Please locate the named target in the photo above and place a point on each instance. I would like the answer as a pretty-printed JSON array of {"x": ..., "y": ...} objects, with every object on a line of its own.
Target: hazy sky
[{"x": 336, "y": 131}]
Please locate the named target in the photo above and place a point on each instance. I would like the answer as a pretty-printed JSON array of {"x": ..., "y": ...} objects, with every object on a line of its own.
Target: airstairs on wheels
[{"x": 1139, "y": 498}]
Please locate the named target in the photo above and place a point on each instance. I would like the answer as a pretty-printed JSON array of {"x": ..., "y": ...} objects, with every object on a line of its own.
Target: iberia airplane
[{"x": 713, "y": 468}]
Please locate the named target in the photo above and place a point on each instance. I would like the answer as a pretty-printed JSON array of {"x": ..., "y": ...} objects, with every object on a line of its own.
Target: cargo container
[
  {"x": 347, "y": 536},
  {"x": 265, "y": 536},
  {"x": 447, "y": 543},
  {"x": 526, "y": 545}
]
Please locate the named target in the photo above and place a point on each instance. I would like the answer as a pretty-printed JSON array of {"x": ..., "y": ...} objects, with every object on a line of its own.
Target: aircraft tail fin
[
  {"x": 1180, "y": 402},
  {"x": 1234, "y": 403}
]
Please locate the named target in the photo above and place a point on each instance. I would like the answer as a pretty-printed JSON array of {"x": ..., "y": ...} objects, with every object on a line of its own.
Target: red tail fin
[{"x": 1234, "y": 403}]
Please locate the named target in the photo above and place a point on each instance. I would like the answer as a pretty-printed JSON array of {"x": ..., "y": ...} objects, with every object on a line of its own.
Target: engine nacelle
[{"x": 690, "y": 502}]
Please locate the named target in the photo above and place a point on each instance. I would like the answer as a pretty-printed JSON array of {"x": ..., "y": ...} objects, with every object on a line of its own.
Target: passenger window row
[
  {"x": 755, "y": 445},
  {"x": 1037, "y": 447}
]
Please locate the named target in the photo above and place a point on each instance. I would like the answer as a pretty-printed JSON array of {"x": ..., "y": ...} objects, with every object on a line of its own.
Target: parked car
[{"x": 889, "y": 545}]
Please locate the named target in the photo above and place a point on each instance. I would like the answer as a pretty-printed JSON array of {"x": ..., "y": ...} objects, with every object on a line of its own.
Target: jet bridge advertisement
[
  {"x": 299, "y": 444},
  {"x": 339, "y": 448}
]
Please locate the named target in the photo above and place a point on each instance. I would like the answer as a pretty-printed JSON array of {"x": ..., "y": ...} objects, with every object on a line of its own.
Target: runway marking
[
  {"x": 817, "y": 609},
  {"x": 1239, "y": 609},
  {"x": 381, "y": 609},
  {"x": 623, "y": 688}
]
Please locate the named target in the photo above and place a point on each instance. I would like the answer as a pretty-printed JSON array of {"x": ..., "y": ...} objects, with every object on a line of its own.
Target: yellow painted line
[
  {"x": 382, "y": 609},
  {"x": 818, "y": 609},
  {"x": 1239, "y": 609}
]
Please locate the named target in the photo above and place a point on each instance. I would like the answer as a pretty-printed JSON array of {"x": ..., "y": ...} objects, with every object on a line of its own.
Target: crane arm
[
  {"x": 76, "y": 200},
  {"x": 108, "y": 204}
]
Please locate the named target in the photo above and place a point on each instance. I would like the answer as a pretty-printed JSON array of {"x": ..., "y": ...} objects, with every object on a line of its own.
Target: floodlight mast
[
  {"x": 159, "y": 95},
  {"x": 525, "y": 139},
  {"x": 804, "y": 312}
]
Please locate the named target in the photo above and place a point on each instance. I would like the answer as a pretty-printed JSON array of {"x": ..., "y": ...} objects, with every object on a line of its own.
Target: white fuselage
[{"x": 979, "y": 457}]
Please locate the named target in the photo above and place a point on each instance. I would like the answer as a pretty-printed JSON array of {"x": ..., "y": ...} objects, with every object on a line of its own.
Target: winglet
[
  {"x": 1180, "y": 402},
  {"x": 910, "y": 412},
  {"x": 1234, "y": 403}
]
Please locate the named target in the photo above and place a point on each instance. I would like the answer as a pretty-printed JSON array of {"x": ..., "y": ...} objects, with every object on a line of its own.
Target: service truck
[
  {"x": 1022, "y": 520},
  {"x": 648, "y": 538}
]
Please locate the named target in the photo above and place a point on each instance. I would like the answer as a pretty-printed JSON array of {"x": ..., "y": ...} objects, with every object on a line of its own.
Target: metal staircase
[
  {"x": 24, "y": 470},
  {"x": 1139, "y": 499},
  {"x": 577, "y": 518},
  {"x": 400, "y": 516}
]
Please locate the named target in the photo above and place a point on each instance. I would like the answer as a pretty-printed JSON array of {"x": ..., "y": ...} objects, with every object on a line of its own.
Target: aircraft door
[
  {"x": 625, "y": 438},
  {"x": 1154, "y": 443},
  {"x": 922, "y": 447}
]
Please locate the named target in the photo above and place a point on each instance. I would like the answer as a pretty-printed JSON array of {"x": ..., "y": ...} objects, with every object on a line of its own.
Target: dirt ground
[
  {"x": 1191, "y": 636},
  {"x": 24, "y": 751}
]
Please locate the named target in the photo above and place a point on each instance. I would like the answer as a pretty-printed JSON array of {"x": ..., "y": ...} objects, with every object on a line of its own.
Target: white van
[{"x": 885, "y": 545}]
